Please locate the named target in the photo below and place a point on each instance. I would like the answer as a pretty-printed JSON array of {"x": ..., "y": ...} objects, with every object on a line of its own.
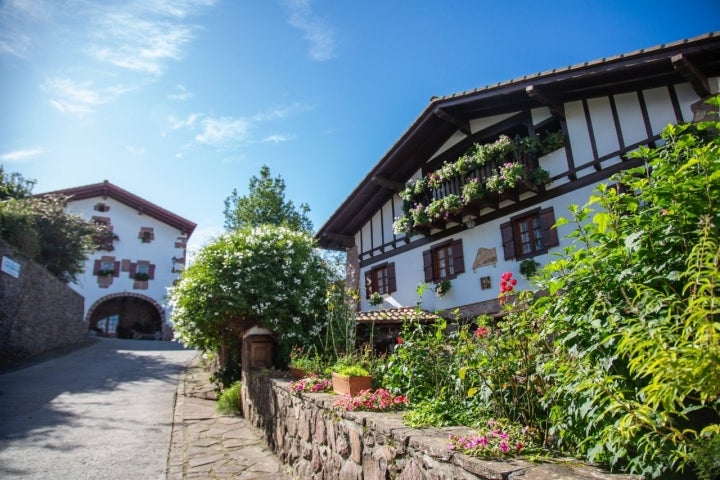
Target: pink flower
[{"x": 481, "y": 332}]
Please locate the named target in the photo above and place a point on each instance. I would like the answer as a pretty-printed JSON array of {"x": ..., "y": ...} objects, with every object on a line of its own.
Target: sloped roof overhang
[
  {"x": 108, "y": 190},
  {"x": 690, "y": 60}
]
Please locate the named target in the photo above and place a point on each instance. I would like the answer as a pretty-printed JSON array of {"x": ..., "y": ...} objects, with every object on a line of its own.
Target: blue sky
[{"x": 181, "y": 101}]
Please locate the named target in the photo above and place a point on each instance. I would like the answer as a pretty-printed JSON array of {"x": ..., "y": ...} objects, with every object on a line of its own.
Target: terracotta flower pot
[
  {"x": 298, "y": 373},
  {"x": 350, "y": 385}
]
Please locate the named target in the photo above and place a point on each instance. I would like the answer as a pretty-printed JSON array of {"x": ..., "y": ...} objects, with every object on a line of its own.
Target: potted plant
[
  {"x": 442, "y": 288},
  {"x": 350, "y": 379},
  {"x": 528, "y": 267},
  {"x": 376, "y": 299},
  {"x": 141, "y": 277},
  {"x": 304, "y": 363}
]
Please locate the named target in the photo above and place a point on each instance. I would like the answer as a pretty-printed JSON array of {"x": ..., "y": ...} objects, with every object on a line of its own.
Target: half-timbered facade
[{"x": 473, "y": 187}]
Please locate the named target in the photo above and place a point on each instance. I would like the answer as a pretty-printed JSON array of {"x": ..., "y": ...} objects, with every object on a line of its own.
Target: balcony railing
[{"x": 438, "y": 199}]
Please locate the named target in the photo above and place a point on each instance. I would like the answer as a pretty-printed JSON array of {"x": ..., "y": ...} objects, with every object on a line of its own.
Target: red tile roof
[
  {"x": 107, "y": 189},
  {"x": 396, "y": 315}
]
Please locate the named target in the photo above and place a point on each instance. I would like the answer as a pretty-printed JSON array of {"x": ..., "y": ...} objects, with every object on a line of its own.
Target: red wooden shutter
[
  {"x": 97, "y": 267},
  {"x": 116, "y": 268},
  {"x": 368, "y": 283},
  {"x": 133, "y": 270},
  {"x": 458, "y": 258},
  {"x": 550, "y": 235},
  {"x": 427, "y": 265},
  {"x": 151, "y": 272},
  {"x": 392, "y": 284},
  {"x": 508, "y": 243}
]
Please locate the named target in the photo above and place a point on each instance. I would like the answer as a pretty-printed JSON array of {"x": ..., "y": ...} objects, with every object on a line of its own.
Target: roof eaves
[{"x": 107, "y": 189}]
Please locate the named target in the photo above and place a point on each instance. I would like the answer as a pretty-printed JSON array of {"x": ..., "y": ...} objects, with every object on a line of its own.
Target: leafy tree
[
  {"x": 265, "y": 204},
  {"x": 269, "y": 274},
  {"x": 14, "y": 185},
  {"x": 41, "y": 229},
  {"x": 633, "y": 309}
]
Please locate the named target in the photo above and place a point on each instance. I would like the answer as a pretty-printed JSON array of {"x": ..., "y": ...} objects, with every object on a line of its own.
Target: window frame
[
  {"x": 372, "y": 284},
  {"x": 456, "y": 257},
  {"x": 511, "y": 234}
]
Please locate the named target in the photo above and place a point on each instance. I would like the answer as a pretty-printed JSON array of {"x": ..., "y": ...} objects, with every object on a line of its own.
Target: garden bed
[{"x": 319, "y": 442}]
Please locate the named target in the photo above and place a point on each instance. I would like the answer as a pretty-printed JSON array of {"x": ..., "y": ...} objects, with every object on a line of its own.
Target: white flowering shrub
[{"x": 269, "y": 274}]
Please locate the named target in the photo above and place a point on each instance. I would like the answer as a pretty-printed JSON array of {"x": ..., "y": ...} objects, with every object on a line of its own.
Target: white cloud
[
  {"x": 189, "y": 122},
  {"x": 223, "y": 130},
  {"x": 278, "y": 138},
  {"x": 18, "y": 156},
  {"x": 319, "y": 35},
  {"x": 79, "y": 98},
  {"x": 132, "y": 43},
  {"x": 19, "y": 22},
  {"x": 278, "y": 113},
  {"x": 227, "y": 130},
  {"x": 175, "y": 8},
  {"x": 182, "y": 93},
  {"x": 135, "y": 151}
]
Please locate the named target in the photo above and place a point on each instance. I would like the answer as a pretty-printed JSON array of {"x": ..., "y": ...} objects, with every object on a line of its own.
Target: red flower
[
  {"x": 400, "y": 341},
  {"x": 481, "y": 332}
]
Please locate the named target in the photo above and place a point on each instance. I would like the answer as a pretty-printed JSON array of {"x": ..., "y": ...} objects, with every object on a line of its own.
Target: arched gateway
[{"x": 127, "y": 315}]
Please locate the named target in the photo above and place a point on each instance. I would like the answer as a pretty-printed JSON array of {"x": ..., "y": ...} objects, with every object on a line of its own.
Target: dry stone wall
[
  {"x": 321, "y": 443},
  {"x": 38, "y": 312}
]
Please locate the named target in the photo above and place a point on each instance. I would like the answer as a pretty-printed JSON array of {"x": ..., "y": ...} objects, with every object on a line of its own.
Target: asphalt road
[{"x": 103, "y": 411}]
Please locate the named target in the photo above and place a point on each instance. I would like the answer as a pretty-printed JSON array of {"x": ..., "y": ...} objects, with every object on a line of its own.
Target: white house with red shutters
[
  {"x": 473, "y": 187},
  {"x": 126, "y": 279}
]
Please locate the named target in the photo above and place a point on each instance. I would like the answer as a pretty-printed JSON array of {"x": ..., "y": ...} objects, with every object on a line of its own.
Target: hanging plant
[
  {"x": 505, "y": 178},
  {"x": 528, "y": 267},
  {"x": 472, "y": 190}
]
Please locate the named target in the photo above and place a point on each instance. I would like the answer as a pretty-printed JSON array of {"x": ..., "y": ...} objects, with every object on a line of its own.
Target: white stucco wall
[
  {"x": 126, "y": 224},
  {"x": 466, "y": 287}
]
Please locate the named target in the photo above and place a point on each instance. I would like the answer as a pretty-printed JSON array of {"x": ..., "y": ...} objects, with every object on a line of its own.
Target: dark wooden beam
[
  {"x": 461, "y": 124},
  {"x": 692, "y": 74},
  {"x": 387, "y": 183},
  {"x": 346, "y": 240},
  {"x": 555, "y": 106}
]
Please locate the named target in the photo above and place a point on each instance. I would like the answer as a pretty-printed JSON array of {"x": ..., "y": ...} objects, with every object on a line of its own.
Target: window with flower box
[
  {"x": 142, "y": 270},
  {"x": 380, "y": 279},
  {"x": 106, "y": 267},
  {"x": 444, "y": 261},
  {"x": 529, "y": 234}
]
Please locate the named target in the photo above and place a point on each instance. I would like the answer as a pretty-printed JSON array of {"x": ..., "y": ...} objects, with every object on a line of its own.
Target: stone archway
[{"x": 127, "y": 315}]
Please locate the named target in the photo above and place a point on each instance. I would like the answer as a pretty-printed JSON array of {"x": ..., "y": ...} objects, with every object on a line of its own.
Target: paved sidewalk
[{"x": 209, "y": 445}]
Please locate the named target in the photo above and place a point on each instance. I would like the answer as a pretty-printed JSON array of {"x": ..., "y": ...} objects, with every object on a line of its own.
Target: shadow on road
[{"x": 34, "y": 399}]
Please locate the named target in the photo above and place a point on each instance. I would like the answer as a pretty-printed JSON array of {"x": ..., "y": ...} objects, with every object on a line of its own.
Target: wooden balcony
[{"x": 474, "y": 209}]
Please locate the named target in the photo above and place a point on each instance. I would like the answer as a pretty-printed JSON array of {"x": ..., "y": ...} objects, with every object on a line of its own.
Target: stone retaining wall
[
  {"x": 319, "y": 442},
  {"x": 38, "y": 312}
]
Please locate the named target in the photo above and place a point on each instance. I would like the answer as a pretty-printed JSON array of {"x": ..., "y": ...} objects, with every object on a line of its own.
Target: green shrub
[
  {"x": 229, "y": 400},
  {"x": 633, "y": 311},
  {"x": 351, "y": 371}
]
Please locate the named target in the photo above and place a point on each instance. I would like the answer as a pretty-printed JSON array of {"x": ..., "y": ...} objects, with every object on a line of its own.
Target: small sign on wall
[{"x": 10, "y": 266}]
